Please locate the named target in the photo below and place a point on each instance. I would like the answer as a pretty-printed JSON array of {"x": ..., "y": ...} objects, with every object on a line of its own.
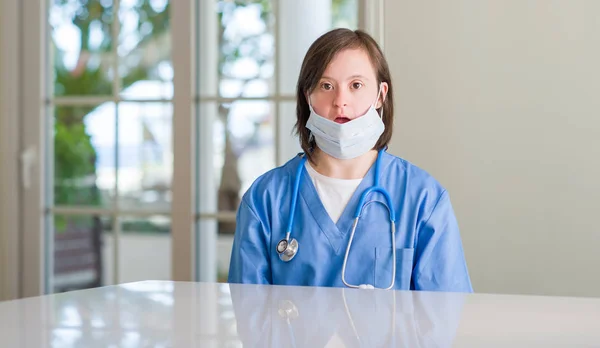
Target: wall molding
[{"x": 371, "y": 18}]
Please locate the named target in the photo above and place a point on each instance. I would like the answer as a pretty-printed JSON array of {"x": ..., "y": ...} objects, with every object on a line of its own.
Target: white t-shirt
[{"x": 334, "y": 193}]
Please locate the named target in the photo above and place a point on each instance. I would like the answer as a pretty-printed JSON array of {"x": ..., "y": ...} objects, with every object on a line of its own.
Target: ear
[{"x": 382, "y": 95}]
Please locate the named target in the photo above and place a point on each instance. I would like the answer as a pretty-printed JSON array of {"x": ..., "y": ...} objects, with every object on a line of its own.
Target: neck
[{"x": 332, "y": 167}]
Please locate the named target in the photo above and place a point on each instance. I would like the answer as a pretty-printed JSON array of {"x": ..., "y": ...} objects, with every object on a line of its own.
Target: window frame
[{"x": 27, "y": 228}]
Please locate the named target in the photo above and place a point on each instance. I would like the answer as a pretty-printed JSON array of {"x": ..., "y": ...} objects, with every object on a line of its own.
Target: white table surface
[{"x": 181, "y": 314}]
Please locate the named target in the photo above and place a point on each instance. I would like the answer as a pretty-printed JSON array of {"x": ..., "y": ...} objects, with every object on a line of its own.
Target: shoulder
[
  {"x": 413, "y": 177},
  {"x": 423, "y": 200},
  {"x": 415, "y": 187}
]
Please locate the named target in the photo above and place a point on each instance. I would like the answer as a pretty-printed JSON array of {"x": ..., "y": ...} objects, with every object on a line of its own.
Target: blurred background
[
  {"x": 104, "y": 127},
  {"x": 129, "y": 129}
]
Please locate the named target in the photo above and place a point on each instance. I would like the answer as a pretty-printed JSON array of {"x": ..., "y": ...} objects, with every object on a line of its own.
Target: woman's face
[{"x": 347, "y": 88}]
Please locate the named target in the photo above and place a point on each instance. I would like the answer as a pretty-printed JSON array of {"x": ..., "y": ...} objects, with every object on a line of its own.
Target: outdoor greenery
[
  {"x": 141, "y": 49},
  {"x": 74, "y": 155},
  {"x": 92, "y": 74}
]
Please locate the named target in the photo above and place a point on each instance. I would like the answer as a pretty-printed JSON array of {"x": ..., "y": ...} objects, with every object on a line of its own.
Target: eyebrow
[{"x": 351, "y": 77}]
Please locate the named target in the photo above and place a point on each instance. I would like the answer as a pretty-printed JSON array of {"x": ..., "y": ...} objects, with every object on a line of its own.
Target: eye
[
  {"x": 357, "y": 85},
  {"x": 326, "y": 86}
]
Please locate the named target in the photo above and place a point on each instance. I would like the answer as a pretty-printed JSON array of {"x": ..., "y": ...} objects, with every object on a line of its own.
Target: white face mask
[{"x": 347, "y": 140}]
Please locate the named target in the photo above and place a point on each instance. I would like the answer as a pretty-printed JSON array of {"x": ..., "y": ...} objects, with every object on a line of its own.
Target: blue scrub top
[{"x": 429, "y": 252}]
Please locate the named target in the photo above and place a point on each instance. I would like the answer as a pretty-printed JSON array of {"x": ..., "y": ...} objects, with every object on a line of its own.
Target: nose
[{"x": 341, "y": 98}]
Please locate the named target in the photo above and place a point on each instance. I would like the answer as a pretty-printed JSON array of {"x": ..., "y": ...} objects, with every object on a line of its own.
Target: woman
[{"x": 297, "y": 224}]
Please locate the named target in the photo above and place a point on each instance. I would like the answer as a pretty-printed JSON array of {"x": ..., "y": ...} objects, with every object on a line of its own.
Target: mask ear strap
[
  {"x": 377, "y": 98},
  {"x": 310, "y": 133},
  {"x": 309, "y": 103},
  {"x": 382, "y": 101}
]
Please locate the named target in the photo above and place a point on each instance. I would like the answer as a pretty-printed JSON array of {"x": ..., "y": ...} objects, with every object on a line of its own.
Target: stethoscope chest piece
[
  {"x": 287, "y": 310},
  {"x": 287, "y": 249}
]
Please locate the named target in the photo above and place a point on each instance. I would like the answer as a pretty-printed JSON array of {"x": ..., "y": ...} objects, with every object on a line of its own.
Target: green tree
[
  {"x": 74, "y": 155},
  {"x": 92, "y": 75}
]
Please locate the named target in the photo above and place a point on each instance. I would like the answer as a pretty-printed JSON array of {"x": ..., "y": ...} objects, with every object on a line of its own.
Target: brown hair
[{"x": 318, "y": 57}]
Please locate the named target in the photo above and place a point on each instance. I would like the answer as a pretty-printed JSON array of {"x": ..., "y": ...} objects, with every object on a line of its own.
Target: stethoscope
[
  {"x": 288, "y": 248},
  {"x": 288, "y": 311},
  {"x": 353, "y": 325}
]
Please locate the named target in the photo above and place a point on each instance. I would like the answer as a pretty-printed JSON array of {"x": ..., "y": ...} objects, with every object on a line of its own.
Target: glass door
[{"x": 108, "y": 142}]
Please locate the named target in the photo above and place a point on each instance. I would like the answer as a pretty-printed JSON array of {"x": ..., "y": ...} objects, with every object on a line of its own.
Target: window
[
  {"x": 152, "y": 129},
  {"x": 247, "y": 71},
  {"x": 110, "y": 154}
]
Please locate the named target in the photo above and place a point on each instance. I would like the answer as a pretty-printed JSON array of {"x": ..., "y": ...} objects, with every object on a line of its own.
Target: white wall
[{"x": 500, "y": 101}]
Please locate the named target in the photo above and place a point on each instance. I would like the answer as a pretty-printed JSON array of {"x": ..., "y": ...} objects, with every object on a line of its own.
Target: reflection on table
[{"x": 182, "y": 314}]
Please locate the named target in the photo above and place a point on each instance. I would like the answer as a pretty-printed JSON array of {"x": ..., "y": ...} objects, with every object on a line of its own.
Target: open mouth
[{"x": 341, "y": 120}]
